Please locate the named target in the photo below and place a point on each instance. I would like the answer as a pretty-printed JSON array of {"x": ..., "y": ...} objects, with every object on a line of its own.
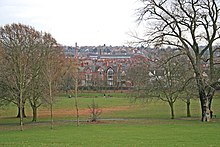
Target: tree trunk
[
  {"x": 203, "y": 97},
  {"x": 76, "y": 101},
  {"x": 207, "y": 109},
  {"x": 19, "y": 112},
  {"x": 188, "y": 114},
  {"x": 34, "y": 111},
  {"x": 171, "y": 110},
  {"x": 204, "y": 106},
  {"x": 51, "y": 105},
  {"x": 210, "y": 95},
  {"x": 21, "y": 109},
  {"x": 51, "y": 116},
  {"x": 210, "y": 103}
]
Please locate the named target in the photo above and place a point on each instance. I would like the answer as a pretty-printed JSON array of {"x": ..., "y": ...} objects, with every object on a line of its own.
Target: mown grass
[
  {"x": 143, "y": 124},
  {"x": 104, "y": 135},
  {"x": 152, "y": 109}
]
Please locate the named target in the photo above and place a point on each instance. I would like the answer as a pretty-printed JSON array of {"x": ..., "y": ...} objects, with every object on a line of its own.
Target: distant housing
[
  {"x": 95, "y": 56},
  {"x": 107, "y": 66}
]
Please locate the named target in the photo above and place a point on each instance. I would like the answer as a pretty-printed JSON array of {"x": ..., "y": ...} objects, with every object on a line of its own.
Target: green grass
[
  {"x": 146, "y": 124},
  {"x": 104, "y": 135}
]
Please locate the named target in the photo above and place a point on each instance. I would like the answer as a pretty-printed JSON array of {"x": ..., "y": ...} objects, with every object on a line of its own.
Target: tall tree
[
  {"x": 47, "y": 65},
  {"x": 192, "y": 26},
  {"x": 36, "y": 89},
  {"x": 72, "y": 73},
  {"x": 18, "y": 41},
  {"x": 3, "y": 87},
  {"x": 168, "y": 80},
  {"x": 24, "y": 55},
  {"x": 52, "y": 70},
  {"x": 138, "y": 72}
]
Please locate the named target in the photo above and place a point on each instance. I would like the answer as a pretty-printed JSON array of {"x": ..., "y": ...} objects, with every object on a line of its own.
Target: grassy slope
[
  {"x": 153, "y": 127},
  {"x": 193, "y": 134}
]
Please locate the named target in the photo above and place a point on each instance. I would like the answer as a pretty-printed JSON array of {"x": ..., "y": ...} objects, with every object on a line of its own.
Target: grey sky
[{"x": 88, "y": 22}]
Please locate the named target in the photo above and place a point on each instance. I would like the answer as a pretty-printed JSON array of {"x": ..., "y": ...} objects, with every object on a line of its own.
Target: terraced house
[{"x": 105, "y": 66}]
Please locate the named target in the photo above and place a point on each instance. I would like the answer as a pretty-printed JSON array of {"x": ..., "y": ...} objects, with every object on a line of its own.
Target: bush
[{"x": 95, "y": 111}]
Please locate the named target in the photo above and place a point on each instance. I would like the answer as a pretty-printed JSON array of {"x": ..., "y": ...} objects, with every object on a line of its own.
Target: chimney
[
  {"x": 100, "y": 51},
  {"x": 76, "y": 50}
]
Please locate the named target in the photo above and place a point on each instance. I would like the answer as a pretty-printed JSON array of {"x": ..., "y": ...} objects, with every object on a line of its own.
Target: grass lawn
[
  {"x": 170, "y": 134},
  {"x": 136, "y": 124}
]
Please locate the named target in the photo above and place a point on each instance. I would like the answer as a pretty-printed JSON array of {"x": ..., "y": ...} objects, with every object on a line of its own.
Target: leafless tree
[
  {"x": 169, "y": 78},
  {"x": 192, "y": 26},
  {"x": 39, "y": 59},
  {"x": 95, "y": 111},
  {"x": 28, "y": 59},
  {"x": 53, "y": 70},
  {"x": 72, "y": 72},
  {"x": 189, "y": 93},
  {"x": 138, "y": 73},
  {"x": 18, "y": 42}
]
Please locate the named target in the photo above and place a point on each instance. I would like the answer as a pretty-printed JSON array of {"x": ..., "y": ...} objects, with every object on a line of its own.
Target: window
[{"x": 110, "y": 75}]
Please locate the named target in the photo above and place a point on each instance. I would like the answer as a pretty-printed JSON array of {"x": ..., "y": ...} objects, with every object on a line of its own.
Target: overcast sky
[{"x": 88, "y": 22}]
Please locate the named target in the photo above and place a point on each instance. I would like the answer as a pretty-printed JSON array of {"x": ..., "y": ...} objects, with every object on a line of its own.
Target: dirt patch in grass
[{"x": 82, "y": 112}]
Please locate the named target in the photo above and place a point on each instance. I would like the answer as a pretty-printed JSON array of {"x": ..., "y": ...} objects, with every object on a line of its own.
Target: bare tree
[
  {"x": 188, "y": 94},
  {"x": 138, "y": 73},
  {"x": 36, "y": 90},
  {"x": 73, "y": 74},
  {"x": 3, "y": 87},
  {"x": 192, "y": 26},
  {"x": 36, "y": 95},
  {"x": 168, "y": 79},
  {"x": 52, "y": 70},
  {"x": 190, "y": 88},
  {"x": 18, "y": 42},
  {"x": 24, "y": 54},
  {"x": 76, "y": 78},
  {"x": 95, "y": 111}
]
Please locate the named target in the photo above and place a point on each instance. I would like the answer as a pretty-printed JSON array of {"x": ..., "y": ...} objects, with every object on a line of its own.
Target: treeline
[{"x": 32, "y": 67}]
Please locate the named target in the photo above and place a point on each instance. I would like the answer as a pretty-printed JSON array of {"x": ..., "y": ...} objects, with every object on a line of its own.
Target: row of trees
[
  {"x": 32, "y": 67},
  {"x": 191, "y": 26},
  {"x": 165, "y": 78}
]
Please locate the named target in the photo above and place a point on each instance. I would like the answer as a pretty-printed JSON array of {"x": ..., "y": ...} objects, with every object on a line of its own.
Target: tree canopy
[
  {"x": 25, "y": 54},
  {"x": 191, "y": 26}
]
